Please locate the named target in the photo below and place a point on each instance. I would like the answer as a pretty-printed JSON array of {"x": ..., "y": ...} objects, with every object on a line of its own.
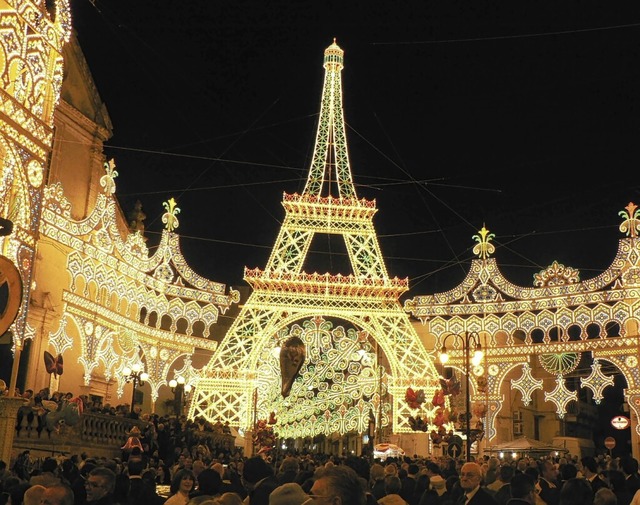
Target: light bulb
[
  {"x": 144, "y": 376},
  {"x": 172, "y": 383},
  {"x": 180, "y": 379}
]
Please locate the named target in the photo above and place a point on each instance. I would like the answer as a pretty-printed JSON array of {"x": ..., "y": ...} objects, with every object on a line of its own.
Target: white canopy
[{"x": 526, "y": 445}]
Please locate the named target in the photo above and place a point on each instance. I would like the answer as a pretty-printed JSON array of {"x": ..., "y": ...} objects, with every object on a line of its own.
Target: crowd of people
[
  {"x": 305, "y": 479},
  {"x": 175, "y": 461}
]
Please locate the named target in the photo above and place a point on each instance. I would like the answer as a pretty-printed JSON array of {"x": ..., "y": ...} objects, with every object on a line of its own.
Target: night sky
[{"x": 523, "y": 118}]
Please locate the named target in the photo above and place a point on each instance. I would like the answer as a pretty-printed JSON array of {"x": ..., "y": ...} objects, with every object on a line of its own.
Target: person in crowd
[
  {"x": 148, "y": 493},
  {"x": 4, "y": 472},
  {"x": 589, "y": 469},
  {"x": 33, "y": 495},
  {"x": 409, "y": 482},
  {"x": 228, "y": 498},
  {"x": 340, "y": 483},
  {"x": 452, "y": 493},
  {"x": 289, "y": 468},
  {"x": 230, "y": 479},
  {"x": 535, "y": 475},
  {"x": 576, "y": 491},
  {"x": 423, "y": 489},
  {"x": 605, "y": 496},
  {"x": 505, "y": 474},
  {"x": 69, "y": 470},
  {"x": 57, "y": 494},
  {"x": 23, "y": 466},
  {"x": 548, "y": 482},
  {"x": 259, "y": 481},
  {"x": 78, "y": 486},
  {"x": 629, "y": 466},
  {"x": 618, "y": 485},
  {"x": 209, "y": 484},
  {"x": 376, "y": 480},
  {"x": 566, "y": 471},
  {"x": 492, "y": 471},
  {"x": 470, "y": 482},
  {"x": 181, "y": 486},
  {"x": 135, "y": 467},
  {"x": 392, "y": 490},
  {"x": 48, "y": 474},
  {"x": 438, "y": 484},
  {"x": 198, "y": 466},
  {"x": 100, "y": 486},
  {"x": 523, "y": 490},
  {"x": 450, "y": 470},
  {"x": 288, "y": 493},
  {"x": 16, "y": 495}
]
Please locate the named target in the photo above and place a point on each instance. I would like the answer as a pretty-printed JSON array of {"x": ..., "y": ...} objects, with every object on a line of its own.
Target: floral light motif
[
  {"x": 556, "y": 275},
  {"x": 170, "y": 218},
  {"x": 484, "y": 249},
  {"x": 107, "y": 181},
  {"x": 631, "y": 224}
]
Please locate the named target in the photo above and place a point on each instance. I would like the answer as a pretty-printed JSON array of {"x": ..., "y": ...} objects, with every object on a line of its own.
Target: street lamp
[
  {"x": 181, "y": 393},
  {"x": 468, "y": 339},
  {"x": 137, "y": 376}
]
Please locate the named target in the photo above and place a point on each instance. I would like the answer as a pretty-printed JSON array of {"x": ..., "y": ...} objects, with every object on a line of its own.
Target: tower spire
[{"x": 330, "y": 162}]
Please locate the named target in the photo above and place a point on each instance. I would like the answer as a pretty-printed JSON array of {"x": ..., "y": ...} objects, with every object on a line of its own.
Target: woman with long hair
[{"x": 181, "y": 485}]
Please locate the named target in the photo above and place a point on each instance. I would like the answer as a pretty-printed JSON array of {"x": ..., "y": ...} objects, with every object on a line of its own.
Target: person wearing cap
[
  {"x": 289, "y": 493},
  {"x": 438, "y": 484}
]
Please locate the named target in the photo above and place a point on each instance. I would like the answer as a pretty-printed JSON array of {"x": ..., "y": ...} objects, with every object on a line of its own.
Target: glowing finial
[
  {"x": 170, "y": 218},
  {"x": 484, "y": 249},
  {"x": 631, "y": 223}
]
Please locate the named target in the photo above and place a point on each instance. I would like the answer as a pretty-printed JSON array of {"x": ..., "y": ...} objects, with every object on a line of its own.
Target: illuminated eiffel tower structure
[{"x": 344, "y": 381}]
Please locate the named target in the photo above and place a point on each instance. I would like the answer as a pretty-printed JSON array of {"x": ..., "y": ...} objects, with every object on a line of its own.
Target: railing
[{"x": 96, "y": 434}]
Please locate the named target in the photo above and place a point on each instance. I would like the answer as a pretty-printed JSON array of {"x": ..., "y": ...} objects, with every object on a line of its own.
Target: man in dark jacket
[
  {"x": 523, "y": 490},
  {"x": 259, "y": 480},
  {"x": 470, "y": 480},
  {"x": 548, "y": 482},
  {"x": 629, "y": 467},
  {"x": 100, "y": 486},
  {"x": 589, "y": 468},
  {"x": 409, "y": 482}
]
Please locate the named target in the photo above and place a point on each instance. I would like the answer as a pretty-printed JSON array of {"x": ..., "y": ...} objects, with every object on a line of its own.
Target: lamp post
[
  {"x": 468, "y": 339},
  {"x": 181, "y": 393},
  {"x": 137, "y": 376}
]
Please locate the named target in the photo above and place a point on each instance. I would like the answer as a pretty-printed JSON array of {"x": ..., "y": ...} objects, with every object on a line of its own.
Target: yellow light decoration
[
  {"x": 284, "y": 296},
  {"x": 115, "y": 281},
  {"x": 30, "y": 83}
]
